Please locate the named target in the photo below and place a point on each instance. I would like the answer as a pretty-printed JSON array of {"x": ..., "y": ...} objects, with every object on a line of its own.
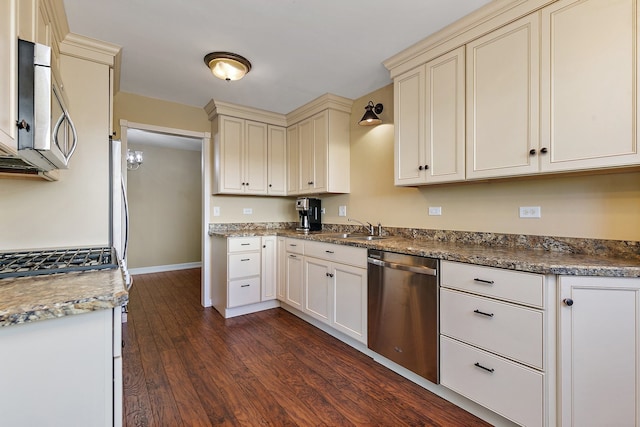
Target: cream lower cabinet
[
  {"x": 329, "y": 283},
  {"x": 294, "y": 273},
  {"x": 244, "y": 274},
  {"x": 589, "y": 112},
  {"x": 64, "y": 371},
  {"x": 9, "y": 80},
  {"x": 495, "y": 337},
  {"x": 599, "y": 351},
  {"x": 429, "y": 116}
]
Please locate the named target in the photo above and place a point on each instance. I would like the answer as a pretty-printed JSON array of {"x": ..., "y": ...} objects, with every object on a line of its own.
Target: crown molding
[
  {"x": 215, "y": 108},
  {"x": 90, "y": 49},
  {"x": 326, "y": 101},
  {"x": 478, "y": 23}
]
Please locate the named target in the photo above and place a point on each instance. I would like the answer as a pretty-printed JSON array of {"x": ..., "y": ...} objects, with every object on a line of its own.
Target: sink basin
[{"x": 355, "y": 236}]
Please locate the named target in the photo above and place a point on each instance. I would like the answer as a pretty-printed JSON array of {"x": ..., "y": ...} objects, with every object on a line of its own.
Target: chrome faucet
[{"x": 369, "y": 227}]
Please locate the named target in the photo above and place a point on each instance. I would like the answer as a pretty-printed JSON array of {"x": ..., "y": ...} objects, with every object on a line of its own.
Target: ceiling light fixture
[
  {"x": 370, "y": 117},
  {"x": 227, "y": 66}
]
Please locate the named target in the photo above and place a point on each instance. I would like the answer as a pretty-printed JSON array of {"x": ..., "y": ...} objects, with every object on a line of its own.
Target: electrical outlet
[
  {"x": 323, "y": 211},
  {"x": 216, "y": 211},
  {"x": 247, "y": 211},
  {"x": 530, "y": 212},
  {"x": 342, "y": 210},
  {"x": 435, "y": 210}
]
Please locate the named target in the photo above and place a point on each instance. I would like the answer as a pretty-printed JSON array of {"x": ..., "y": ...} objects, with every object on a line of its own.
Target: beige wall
[
  {"x": 165, "y": 205},
  {"x": 597, "y": 206},
  {"x": 75, "y": 210},
  {"x": 600, "y": 206}
]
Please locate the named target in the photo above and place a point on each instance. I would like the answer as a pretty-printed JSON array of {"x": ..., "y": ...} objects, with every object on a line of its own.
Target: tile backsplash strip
[{"x": 569, "y": 245}]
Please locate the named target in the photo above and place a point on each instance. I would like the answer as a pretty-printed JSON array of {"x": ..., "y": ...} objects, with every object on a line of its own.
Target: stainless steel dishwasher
[{"x": 403, "y": 304}]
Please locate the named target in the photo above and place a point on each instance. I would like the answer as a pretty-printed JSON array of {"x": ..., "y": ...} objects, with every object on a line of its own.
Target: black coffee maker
[{"x": 309, "y": 213}]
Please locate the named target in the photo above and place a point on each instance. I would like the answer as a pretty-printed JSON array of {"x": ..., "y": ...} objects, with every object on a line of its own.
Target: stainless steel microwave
[{"x": 47, "y": 137}]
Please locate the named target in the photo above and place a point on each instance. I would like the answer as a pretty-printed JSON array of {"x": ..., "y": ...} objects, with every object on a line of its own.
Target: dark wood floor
[{"x": 185, "y": 365}]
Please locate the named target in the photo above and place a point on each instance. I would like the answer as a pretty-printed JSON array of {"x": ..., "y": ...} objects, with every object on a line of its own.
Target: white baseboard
[{"x": 162, "y": 268}]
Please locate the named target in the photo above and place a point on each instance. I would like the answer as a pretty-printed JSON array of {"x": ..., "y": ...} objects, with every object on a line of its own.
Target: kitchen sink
[{"x": 355, "y": 236}]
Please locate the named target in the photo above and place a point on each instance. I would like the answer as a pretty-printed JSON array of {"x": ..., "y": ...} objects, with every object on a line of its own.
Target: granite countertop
[
  {"x": 29, "y": 299},
  {"x": 512, "y": 258}
]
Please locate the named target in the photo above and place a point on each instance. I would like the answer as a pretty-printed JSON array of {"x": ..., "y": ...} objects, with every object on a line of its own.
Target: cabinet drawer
[
  {"x": 507, "y": 329},
  {"x": 515, "y": 286},
  {"x": 244, "y": 291},
  {"x": 295, "y": 246},
  {"x": 244, "y": 265},
  {"x": 240, "y": 244},
  {"x": 512, "y": 390},
  {"x": 338, "y": 253}
]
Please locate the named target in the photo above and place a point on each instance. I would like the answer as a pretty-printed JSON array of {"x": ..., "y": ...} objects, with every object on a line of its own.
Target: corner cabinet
[
  {"x": 322, "y": 133},
  {"x": 429, "y": 122},
  {"x": 599, "y": 351},
  {"x": 9, "y": 80}
]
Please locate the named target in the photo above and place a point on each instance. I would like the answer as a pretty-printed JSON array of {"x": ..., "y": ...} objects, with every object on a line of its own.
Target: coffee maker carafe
[{"x": 309, "y": 213}]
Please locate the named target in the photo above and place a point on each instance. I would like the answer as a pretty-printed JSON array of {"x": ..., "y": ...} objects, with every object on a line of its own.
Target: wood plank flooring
[{"x": 185, "y": 365}]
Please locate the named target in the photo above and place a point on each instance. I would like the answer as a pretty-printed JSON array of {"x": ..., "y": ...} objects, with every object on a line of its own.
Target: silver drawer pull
[
  {"x": 482, "y": 367},
  {"x": 488, "y": 282},
  {"x": 245, "y": 259},
  {"x": 244, "y": 286},
  {"x": 483, "y": 313},
  {"x": 329, "y": 252}
]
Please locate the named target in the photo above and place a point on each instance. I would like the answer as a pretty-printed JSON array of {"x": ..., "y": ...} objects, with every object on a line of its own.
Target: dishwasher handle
[{"x": 397, "y": 266}]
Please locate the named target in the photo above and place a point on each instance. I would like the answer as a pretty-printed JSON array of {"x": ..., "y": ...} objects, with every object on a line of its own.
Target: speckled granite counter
[
  {"x": 603, "y": 258},
  {"x": 29, "y": 299}
]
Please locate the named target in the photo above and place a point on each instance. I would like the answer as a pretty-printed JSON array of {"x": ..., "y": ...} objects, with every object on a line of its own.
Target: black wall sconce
[{"x": 370, "y": 117}]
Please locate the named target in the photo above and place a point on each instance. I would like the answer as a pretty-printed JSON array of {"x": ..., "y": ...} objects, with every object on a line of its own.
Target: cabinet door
[
  {"x": 269, "y": 269},
  {"x": 320, "y": 151},
  {"x": 599, "y": 347},
  {"x": 589, "y": 77},
  {"x": 444, "y": 134},
  {"x": 277, "y": 161},
  {"x": 502, "y": 101},
  {"x": 231, "y": 163},
  {"x": 350, "y": 301},
  {"x": 8, "y": 71},
  {"x": 282, "y": 269},
  {"x": 317, "y": 282},
  {"x": 255, "y": 171},
  {"x": 409, "y": 127},
  {"x": 294, "y": 278},
  {"x": 293, "y": 161},
  {"x": 305, "y": 135}
]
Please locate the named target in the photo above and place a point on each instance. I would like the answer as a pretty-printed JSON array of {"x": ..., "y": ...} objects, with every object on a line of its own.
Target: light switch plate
[
  {"x": 216, "y": 211},
  {"x": 342, "y": 210},
  {"x": 247, "y": 211}
]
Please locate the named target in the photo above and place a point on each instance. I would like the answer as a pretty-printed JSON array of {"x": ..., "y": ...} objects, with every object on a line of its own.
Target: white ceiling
[{"x": 299, "y": 49}]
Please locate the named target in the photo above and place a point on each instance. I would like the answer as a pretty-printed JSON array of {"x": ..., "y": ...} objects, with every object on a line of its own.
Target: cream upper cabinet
[
  {"x": 599, "y": 351},
  {"x": 589, "y": 84},
  {"x": 324, "y": 153},
  {"x": 429, "y": 117},
  {"x": 8, "y": 82},
  {"x": 277, "y": 161},
  {"x": 242, "y": 150},
  {"x": 502, "y": 101},
  {"x": 293, "y": 161}
]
